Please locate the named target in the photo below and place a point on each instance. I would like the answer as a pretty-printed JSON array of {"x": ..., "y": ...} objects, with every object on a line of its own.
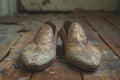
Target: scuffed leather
[
  {"x": 42, "y": 51},
  {"x": 45, "y": 35},
  {"x": 78, "y": 50}
]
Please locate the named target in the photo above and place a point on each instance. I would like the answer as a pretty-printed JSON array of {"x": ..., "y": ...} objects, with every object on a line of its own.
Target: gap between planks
[
  {"x": 24, "y": 40},
  {"x": 103, "y": 38},
  {"x": 7, "y": 54},
  {"x": 98, "y": 75}
]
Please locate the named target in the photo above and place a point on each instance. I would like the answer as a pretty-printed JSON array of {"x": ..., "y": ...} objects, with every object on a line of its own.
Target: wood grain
[
  {"x": 8, "y": 64},
  {"x": 8, "y": 37},
  {"x": 6, "y": 42},
  {"x": 108, "y": 32},
  {"x": 115, "y": 21},
  {"x": 110, "y": 63}
]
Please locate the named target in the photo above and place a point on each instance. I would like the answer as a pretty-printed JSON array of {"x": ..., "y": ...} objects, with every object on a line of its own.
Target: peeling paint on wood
[{"x": 67, "y": 5}]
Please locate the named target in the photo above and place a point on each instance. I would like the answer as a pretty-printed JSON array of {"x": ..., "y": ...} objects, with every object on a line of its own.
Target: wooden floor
[{"x": 102, "y": 30}]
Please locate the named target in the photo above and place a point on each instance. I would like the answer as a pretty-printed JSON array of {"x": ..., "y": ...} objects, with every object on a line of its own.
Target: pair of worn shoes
[{"x": 40, "y": 53}]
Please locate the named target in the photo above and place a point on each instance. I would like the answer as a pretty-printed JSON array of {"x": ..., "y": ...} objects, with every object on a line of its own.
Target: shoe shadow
[{"x": 60, "y": 51}]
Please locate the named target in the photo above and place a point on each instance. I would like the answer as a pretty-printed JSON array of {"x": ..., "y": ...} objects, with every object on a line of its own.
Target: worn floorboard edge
[
  {"x": 108, "y": 44},
  {"x": 31, "y": 76},
  {"x": 7, "y": 54},
  {"x": 103, "y": 39},
  {"x": 7, "y": 46},
  {"x": 113, "y": 22},
  {"x": 81, "y": 75}
]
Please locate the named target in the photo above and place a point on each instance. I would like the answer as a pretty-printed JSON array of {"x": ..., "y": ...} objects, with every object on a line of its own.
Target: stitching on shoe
[{"x": 86, "y": 52}]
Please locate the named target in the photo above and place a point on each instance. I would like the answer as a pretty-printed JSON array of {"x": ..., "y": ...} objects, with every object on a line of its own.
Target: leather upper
[{"x": 78, "y": 50}]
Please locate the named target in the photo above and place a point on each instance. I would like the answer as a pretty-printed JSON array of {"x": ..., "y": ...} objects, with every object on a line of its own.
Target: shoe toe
[
  {"x": 84, "y": 61},
  {"x": 37, "y": 60}
]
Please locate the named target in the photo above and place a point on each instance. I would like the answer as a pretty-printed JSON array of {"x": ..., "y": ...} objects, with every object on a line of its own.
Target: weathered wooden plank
[
  {"x": 6, "y": 43},
  {"x": 108, "y": 32},
  {"x": 8, "y": 37},
  {"x": 7, "y": 66},
  {"x": 114, "y": 21},
  {"x": 10, "y": 28},
  {"x": 110, "y": 63}
]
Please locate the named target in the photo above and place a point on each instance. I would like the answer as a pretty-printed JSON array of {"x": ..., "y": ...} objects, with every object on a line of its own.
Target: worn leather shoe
[
  {"x": 40, "y": 53},
  {"x": 78, "y": 51}
]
